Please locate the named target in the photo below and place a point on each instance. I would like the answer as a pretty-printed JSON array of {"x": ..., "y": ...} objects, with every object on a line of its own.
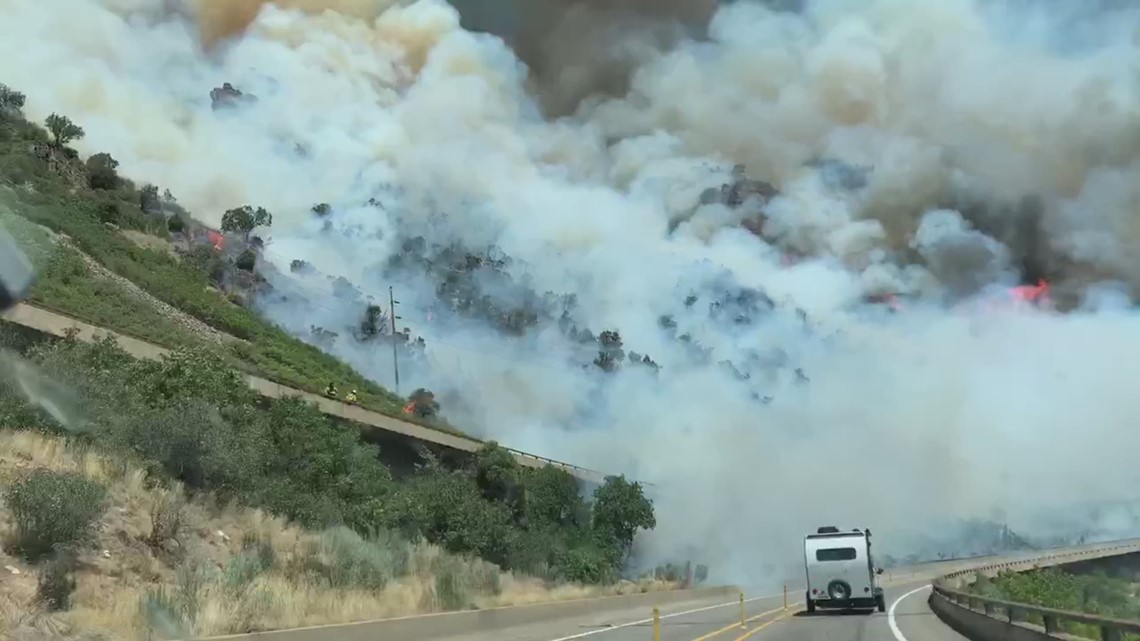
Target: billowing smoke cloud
[
  {"x": 573, "y": 49},
  {"x": 940, "y": 151}
]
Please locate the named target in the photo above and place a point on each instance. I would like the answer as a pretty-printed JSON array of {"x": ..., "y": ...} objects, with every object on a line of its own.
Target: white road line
[
  {"x": 667, "y": 616},
  {"x": 891, "y": 613}
]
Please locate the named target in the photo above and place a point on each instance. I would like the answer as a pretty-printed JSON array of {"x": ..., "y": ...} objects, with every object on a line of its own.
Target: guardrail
[
  {"x": 1016, "y": 616},
  {"x": 331, "y": 407}
]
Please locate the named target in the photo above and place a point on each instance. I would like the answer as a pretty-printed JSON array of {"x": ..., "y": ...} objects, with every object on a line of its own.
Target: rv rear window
[{"x": 835, "y": 554}]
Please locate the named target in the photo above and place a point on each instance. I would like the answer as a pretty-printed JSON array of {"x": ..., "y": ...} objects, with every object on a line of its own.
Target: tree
[
  {"x": 611, "y": 354},
  {"x": 620, "y": 509},
  {"x": 322, "y": 209},
  {"x": 423, "y": 403},
  {"x": 497, "y": 474},
  {"x": 11, "y": 101},
  {"x": 101, "y": 172},
  {"x": 149, "y": 201},
  {"x": 323, "y": 461},
  {"x": 554, "y": 499},
  {"x": 63, "y": 130},
  {"x": 246, "y": 261},
  {"x": 374, "y": 323},
  {"x": 245, "y": 219},
  {"x": 447, "y": 509},
  {"x": 176, "y": 225}
]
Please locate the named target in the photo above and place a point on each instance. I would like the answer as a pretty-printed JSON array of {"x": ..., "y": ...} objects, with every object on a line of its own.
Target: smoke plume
[{"x": 937, "y": 152}]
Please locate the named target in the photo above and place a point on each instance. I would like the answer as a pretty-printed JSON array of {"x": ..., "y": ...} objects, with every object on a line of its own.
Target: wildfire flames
[{"x": 1035, "y": 295}]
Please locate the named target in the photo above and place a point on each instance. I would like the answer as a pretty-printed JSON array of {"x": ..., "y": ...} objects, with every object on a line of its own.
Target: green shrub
[
  {"x": 242, "y": 570},
  {"x": 347, "y": 560},
  {"x": 450, "y": 592},
  {"x": 457, "y": 580},
  {"x": 246, "y": 261},
  {"x": 52, "y": 510},
  {"x": 188, "y": 417},
  {"x": 257, "y": 558},
  {"x": 173, "y": 611},
  {"x": 1093, "y": 593},
  {"x": 101, "y": 172},
  {"x": 585, "y": 565}
]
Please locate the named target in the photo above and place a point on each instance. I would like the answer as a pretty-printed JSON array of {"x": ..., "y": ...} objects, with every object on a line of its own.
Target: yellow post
[
  {"x": 656, "y": 624},
  {"x": 785, "y": 596},
  {"x": 742, "y": 622}
]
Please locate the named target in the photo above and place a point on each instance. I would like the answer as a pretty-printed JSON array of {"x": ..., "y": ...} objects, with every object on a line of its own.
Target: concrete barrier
[{"x": 445, "y": 624}]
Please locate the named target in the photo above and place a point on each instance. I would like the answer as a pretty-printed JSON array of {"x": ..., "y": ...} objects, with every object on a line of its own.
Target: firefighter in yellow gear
[{"x": 350, "y": 397}]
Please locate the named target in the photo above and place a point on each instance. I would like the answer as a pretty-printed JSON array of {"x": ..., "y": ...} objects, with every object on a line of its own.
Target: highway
[{"x": 908, "y": 618}]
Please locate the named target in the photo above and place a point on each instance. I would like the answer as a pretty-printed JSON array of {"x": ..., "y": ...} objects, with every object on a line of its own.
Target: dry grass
[{"x": 164, "y": 563}]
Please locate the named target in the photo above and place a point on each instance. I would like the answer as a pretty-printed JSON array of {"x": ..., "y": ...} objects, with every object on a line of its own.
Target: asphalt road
[{"x": 767, "y": 620}]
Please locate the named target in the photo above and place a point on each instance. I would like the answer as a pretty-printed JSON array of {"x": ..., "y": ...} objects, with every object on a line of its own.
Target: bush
[
  {"x": 166, "y": 519},
  {"x": 243, "y": 569},
  {"x": 450, "y": 592},
  {"x": 423, "y": 403},
  {"x": 1092, "y": 593},
  {"x": 56, "y": 582},
  {"x": 246, "y": 261},
  {"x": 585, "y": 565},
  {"x": 53, "y": 510},
  {"x": 101, "y": 172},
  {"x": 345, "y": 559}
]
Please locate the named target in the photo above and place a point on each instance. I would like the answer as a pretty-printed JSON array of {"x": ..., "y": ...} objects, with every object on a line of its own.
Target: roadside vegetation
[
  {"x": 187, "y": 429},
  {"x": 1095, "y": 593},
  {"x": 134, "y": 556}
]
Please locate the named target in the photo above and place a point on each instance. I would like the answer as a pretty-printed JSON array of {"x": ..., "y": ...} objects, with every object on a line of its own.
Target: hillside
[
  {"x": 120, "y": 256},
  {"x": 187, "y": 429},
  {"x": 187, "y": 421},
  {"x": 199, "y": 564}
]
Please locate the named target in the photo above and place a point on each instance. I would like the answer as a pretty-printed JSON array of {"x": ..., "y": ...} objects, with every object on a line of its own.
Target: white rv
[{"x": 840, "y": 570}]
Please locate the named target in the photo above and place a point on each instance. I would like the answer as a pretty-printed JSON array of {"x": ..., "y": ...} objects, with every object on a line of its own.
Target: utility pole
[{"x": 395, "y": 357}]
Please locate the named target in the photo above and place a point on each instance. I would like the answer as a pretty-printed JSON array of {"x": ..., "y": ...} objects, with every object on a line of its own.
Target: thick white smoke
[{"x": 959, "y": 109}]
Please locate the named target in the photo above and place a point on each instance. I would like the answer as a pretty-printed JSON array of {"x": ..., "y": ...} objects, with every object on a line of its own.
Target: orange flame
[
  {"x": 410, "y": 407},
  {"x": 216, "y": 239},
  {"x": 1031, "y": 293}
]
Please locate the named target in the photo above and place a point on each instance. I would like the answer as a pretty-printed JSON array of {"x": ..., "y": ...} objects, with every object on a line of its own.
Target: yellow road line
[
  {"x": 736, "y": 624},
  {"x": 764, "y": 625}
]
